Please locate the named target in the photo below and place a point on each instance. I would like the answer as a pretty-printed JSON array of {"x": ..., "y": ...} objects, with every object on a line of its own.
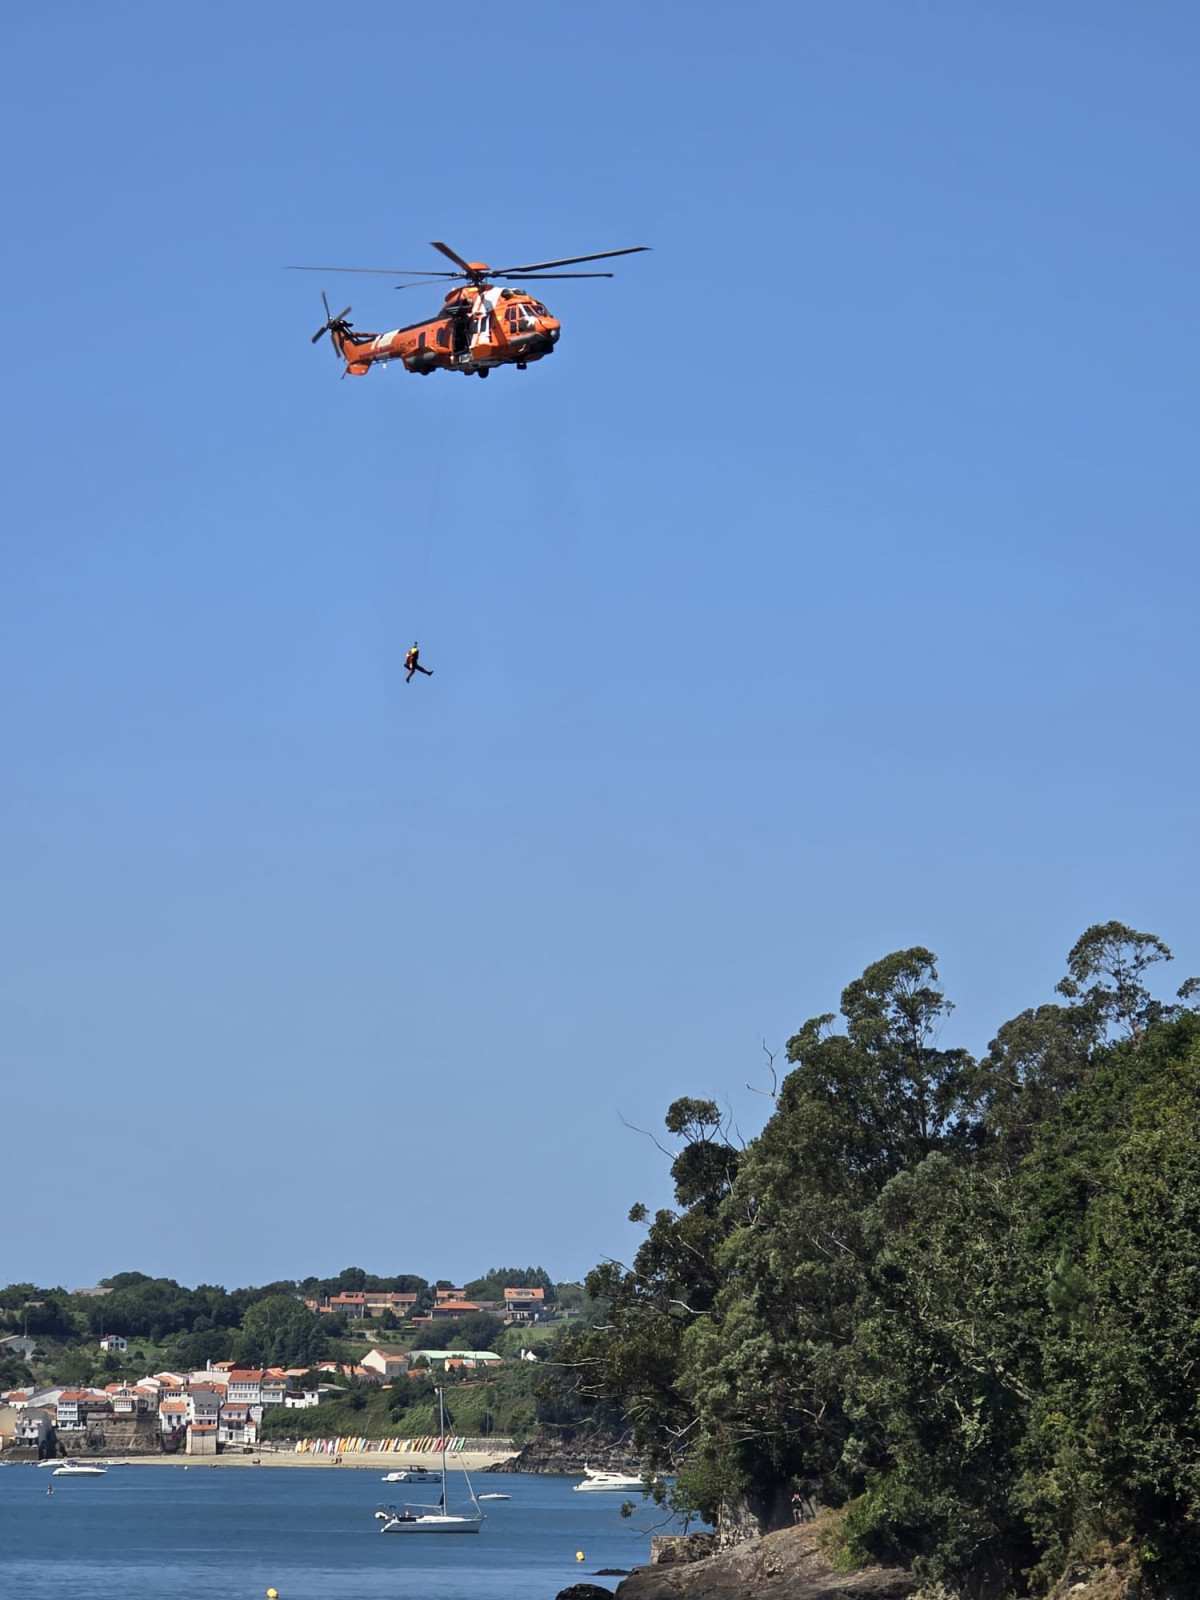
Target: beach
[{"x": 377, "y": 1461}]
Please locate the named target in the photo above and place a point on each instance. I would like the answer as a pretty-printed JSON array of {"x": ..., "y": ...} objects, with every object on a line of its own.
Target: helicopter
[{"x": 479, "y": 326}]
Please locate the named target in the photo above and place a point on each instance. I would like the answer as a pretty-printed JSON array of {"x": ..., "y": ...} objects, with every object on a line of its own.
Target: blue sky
[{"x": 832, "y": 589}]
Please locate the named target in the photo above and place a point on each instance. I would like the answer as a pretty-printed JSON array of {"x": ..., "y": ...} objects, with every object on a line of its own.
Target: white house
[
  {"x": 172, "y": 1414},
  {"x": 114, "y": 1341},
  {"x": 34, "y": 1427},
  {"x": 387, "y": 1364},
  {"x": 68, "y": 1412},
  {"x": 245, "y": 1384},
  {"x": 302, "y": 1399},
  {"x": 273, "y": 1388},
  {"x": 237, "y": 1425}
]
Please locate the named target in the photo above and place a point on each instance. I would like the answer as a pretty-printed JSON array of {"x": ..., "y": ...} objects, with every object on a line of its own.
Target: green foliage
[
  {"x": 354, "y": 1280},
  {"x": 478, "y": 1331},
  {"x": 960, "y": 1299},
  {"x": 14, "y": 1374},
  {"x": 1113, "y": 959},
  {"x": 502, "y": 1403},
  {"x": 1114, "y": 1444},
  {"x": 494, "y": 1282},
  {"x": 280, "y": 1332}
]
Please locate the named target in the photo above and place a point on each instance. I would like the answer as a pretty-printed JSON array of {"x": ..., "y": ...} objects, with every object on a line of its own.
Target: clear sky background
[{"x": 832, "y": 589}]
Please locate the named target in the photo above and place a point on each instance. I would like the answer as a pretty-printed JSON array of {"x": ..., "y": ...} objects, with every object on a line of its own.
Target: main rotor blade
[
  {"x": 325, "y": 303},
  {"x": 388, "y": 272},
  {"x": 570, "y": 261},
  {"x": 453, "y": 254},
  {"x": 541, "y": 277},
  {"x": 423, "y": 283}
]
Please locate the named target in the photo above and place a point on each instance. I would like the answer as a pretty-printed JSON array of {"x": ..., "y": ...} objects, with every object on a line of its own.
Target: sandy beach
[{"x": 379, "y": 1462}]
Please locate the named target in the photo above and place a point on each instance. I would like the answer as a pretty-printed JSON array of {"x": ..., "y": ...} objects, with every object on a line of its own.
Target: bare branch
[
  {"x": 633, "y": 1128},
  {"x": 773, "y": 1092}
]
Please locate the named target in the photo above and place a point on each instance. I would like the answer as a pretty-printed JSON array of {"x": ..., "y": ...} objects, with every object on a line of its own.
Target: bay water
[{"x": 232, "y": 1533}]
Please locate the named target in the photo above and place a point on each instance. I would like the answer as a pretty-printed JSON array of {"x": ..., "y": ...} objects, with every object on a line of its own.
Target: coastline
[{"x": 472, "y": 1460}]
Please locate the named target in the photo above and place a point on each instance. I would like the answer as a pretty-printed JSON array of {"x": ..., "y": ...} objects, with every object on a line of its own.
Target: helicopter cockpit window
[{"x": 540, "y": 309}]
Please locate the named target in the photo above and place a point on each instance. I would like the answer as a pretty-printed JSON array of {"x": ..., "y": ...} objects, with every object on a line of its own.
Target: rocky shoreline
[
  {"x": 568, "y": 1460},
  {"x": 792, "y": 1565},
  {"x": 788, "y": 1565}
]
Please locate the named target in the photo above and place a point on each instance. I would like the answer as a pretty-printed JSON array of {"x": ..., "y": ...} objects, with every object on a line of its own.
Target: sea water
[{"x": 232, "y": 1533}]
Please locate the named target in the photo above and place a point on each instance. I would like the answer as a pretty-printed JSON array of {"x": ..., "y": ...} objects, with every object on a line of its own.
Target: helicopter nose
[{"x": 553, "y": 334}]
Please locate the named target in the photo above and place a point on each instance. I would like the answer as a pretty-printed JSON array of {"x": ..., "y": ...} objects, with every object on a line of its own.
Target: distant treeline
[
  {"x": 957, "y": 1298},
  {"x": 265, "y": 1325}
]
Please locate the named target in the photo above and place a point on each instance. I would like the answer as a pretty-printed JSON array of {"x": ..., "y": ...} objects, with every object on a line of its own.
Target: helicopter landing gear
[
  {"x": 483, "y": 371},
  {"x": 522, "y": 365}
]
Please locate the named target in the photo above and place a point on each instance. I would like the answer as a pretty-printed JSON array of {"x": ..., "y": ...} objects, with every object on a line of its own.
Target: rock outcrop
[
  {"x": 788, "y": 1565},
  {"x": 568, "y": 1459}
]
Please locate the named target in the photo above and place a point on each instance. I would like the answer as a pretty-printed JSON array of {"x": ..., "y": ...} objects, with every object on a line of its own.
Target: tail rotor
[{"x": 336, "y": 327}]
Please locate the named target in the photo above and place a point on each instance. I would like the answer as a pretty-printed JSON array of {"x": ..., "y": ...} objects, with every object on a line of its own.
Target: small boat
[
  {"x": 596, "y": 1482},
  {"x": 80, "y": 1469},
  {"x": 412, "y": 1475},
  {"x": 433, "y": 1519},
  {"x": 493, "y": 1496}
]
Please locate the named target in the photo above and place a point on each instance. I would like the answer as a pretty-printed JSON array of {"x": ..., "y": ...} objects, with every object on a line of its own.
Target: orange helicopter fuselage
[{"x": 479, "y": 327}]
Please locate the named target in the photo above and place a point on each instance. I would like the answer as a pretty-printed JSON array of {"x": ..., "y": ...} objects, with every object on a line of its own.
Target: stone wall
[{"x": 114, "y": 1436}]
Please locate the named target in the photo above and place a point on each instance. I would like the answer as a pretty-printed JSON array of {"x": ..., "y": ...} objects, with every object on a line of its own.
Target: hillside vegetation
[
  {"x": 957, "y": 1298},
  {"x": 503, "y": 1404},
  {"x": 172, "y": 1328}
]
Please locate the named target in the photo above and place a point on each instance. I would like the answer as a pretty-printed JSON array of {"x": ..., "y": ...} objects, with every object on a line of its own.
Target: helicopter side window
[{"x": 443, "y": 335}]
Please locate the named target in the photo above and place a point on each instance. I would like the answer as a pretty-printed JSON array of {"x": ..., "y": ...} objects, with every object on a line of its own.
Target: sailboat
[{"x": 427, "y": 1519}]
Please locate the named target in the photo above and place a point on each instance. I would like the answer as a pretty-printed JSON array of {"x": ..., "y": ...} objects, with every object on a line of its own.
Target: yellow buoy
[
  {"x": 272, "y": 1594},
  {"x": 579, "y": 1555}
]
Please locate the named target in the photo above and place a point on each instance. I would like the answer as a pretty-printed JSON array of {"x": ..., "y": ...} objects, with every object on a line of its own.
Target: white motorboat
[
  {"x": 80, "y": 1469},
  {"x": 493, "y": 1496},
  {"x": 412, "y": 1475},
  {"x": 433, "y": 1519},
  {"x": 596, "y": 1482}
]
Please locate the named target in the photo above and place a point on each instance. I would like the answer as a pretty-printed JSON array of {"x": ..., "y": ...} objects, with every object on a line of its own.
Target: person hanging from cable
[{"x": 413, "y": 664}]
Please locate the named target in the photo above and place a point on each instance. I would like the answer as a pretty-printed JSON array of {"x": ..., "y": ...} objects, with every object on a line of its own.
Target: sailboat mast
[{"x": 442, "y": 1426}]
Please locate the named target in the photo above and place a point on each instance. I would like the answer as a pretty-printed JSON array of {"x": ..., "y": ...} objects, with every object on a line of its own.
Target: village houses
[{"x": 224, "y": 1403}]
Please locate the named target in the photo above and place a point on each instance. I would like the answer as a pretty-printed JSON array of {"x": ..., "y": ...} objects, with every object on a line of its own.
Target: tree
[
  {"x": 633, "y": 1363},
  {"x": 280, "y": 1332},
  {"x": 1113, "y": 959},
  {"x": 125, "y": 1280},
  {"x": 478, "y": 1331},
  {"x": 1114, "y": 1441},
  {"x": 494, "y": 1282},
  {"x": 1032, "y": 1064}
]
